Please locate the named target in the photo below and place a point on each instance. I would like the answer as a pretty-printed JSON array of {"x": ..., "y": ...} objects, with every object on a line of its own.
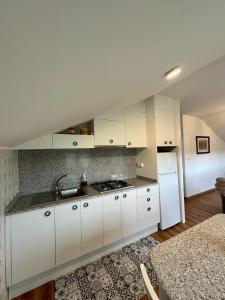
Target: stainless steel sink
[{"x": 71, "y": 193}]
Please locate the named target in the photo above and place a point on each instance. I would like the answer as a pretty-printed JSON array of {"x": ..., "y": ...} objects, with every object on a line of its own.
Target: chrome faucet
[{"x": 59, "y": 187}]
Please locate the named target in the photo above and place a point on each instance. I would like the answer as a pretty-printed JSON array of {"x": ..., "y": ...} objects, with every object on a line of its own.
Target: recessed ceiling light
[{"x": 172, "y": 73}]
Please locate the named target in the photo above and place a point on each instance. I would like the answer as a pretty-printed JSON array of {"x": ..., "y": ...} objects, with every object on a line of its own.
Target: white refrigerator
[{"x": 169, "y": 189}]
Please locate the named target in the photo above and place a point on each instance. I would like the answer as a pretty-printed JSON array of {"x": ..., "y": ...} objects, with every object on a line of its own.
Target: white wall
[
  {"x": 8, "y": 189},
  {"x": 201, "y": 170}
]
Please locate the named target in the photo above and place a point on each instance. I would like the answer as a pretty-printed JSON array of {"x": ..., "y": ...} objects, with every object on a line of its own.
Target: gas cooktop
[{"x": 110, "y": 185}]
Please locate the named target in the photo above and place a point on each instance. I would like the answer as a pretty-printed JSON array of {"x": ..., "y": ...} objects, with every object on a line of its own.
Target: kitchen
[
  {"x": 111, "y": 141},
  {"x": 87, "y": 202}
]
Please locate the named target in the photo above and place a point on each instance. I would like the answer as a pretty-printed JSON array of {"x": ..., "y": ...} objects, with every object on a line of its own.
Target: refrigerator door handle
[{"x": 174, "y": 172}]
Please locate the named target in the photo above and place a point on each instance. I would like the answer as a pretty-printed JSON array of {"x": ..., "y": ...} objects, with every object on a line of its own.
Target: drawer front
[{"x": 147, "y": 190}]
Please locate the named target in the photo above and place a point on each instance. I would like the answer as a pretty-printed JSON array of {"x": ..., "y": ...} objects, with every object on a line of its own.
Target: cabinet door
[
  {"x": 109, "y": 133},
  {"x": 113, "y": 116},
  {"x": 112, "y": 218},
  {"x": 148, "y": 211},
  {"x": 92, "y": 225},
  {"x": 67, "y": 141},
  {"x": 135, "y": 129},
  {"x": 129, "y": 212},
  {"x": 67, "y": 232},
  {"x": 148, "y": 190},
  {"x": 165, "y": 128},
  {"x": 33, "y": 243}
]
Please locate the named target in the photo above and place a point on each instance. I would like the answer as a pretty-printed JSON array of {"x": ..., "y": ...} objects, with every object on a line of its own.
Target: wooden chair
[{"x": 151, "y": 294}]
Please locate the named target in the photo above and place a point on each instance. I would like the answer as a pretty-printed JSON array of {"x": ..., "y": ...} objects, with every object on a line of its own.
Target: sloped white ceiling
[
  {"x": 64, "y": 62},
  {"x": 217, "y": 123},
  {"x": 202, "y": 94}
]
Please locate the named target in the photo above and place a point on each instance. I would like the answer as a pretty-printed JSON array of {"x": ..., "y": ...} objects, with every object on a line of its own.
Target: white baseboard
[{"x": 56, "y": 272}]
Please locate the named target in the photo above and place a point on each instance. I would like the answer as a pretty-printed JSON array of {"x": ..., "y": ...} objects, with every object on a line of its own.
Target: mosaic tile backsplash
[
  {"x": 39, "y": 169},
  {"x": 8, "y": 190}
]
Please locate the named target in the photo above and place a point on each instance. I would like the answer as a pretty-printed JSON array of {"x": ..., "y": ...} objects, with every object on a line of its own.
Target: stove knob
[
  {"x": 111, "y": 141},
  {"x": 124, "y": 195},
  {"x": 149, "y": 208},
  {"x": 116, "y": 197},
  {"x": 148, "y": 190},
  {"x": 129, "y": 143},
  {"x": 148, "y": 199},
  {"x": 86, "y": 204}
]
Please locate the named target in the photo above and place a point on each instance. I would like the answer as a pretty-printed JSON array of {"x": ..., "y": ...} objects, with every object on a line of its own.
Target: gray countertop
[
  {"x": 191, "y": 265},
  {"x": 23, "y": 203}
]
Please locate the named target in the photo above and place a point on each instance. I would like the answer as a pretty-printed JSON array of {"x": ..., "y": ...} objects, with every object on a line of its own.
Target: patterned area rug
[{"x": 115, "y": 276}]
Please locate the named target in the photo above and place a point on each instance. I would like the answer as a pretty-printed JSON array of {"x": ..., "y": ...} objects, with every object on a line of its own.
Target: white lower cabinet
[
  {"x": 112, "y": 218},
  {"x": 32, "y": 243},
  {"x": 129, "y": 212},
  {"x": 67, "y": 232},
  {"x": 41, "y": 239},
  {"x": 91, "y": 224},
  {"x": 148, "y": 208}
]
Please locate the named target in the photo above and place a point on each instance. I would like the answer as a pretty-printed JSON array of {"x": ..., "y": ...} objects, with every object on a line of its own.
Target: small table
[{"x": 191, "y": 265}]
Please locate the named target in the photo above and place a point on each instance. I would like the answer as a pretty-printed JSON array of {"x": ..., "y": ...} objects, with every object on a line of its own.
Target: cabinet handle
[
  {"x": 165, "y": 142},
  {"x": 47, "y": 213},
  {"x": 75, "y": 144},
  {"x": 129, "y": 143},
  {"x": 124, "y": 195},
  {"x": 85, "y": 204},
  {"x": 74, "y": 207},
  {"x": 171, "y": 142},
  {"x": 111, "y": 141},
  {"x": 148, "y": 190},
  {"x": 149, "y": 208},
  {"x": 116, "y": 197},
  {"x": 148, "y": 199}
]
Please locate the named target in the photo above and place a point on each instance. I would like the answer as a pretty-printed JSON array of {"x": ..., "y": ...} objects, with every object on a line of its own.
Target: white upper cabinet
[
  {"x": 112, "y": 116},
  {"x": 139, "y": 107},
  {"x": 70, "y": 141},
  {"x": 44, "y": 142},
  {"x": 165, "y": 128},
  {"x": 67, "y": 232},
  {"x": 112, "y": 218},
  {"x": 164, "y": 103},
  {"x": 129, "y": 212},
  {"x": 32, "y": 243},
  {"x": 109, "y": 133},
  {"x": 92, "y": 225},
  {"x": 165, "y": 121},
  {"x": 135, "y": 129},
  {"x": 121, "y": 128}
]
